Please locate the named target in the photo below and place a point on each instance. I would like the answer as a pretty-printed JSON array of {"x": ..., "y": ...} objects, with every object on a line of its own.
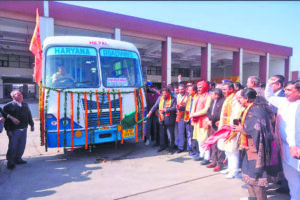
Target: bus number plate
[{"x": 128, "y": 133}]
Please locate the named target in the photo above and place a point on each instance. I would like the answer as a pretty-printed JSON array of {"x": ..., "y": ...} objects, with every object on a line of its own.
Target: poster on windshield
[{"x": 117, "y": 82}]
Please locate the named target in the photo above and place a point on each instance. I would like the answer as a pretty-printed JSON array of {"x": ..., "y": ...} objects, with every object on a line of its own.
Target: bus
[{"x": 88, "y": 85}]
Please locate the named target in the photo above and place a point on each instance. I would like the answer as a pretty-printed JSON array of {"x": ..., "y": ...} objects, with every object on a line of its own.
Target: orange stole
[
  {"x": 180, "y": 113},
  {"x": 227, "y": 110},
  {"x": 161, "y": 107},
  {"x": 244, "y": 142}
]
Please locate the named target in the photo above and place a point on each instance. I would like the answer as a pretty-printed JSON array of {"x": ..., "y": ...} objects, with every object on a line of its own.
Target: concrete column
[
  {"x": 294, "y": 75},
  {"x": 267, "y": 66},
  {"x": 46, "y": 9},
  {"x": 237, "y": 64},
  {"x": 46, "y": 27},
  {"x": 286, "y": 69},
  {"x": 264, "y": 67},
  {"x": 166, "y": 62},
  {"x": 1, "y": 89},
  {"x": 206, "y": 62},
  {"x": 117, "y": 34}
]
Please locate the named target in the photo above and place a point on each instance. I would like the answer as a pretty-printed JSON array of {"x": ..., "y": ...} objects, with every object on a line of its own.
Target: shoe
[
  {"x": 217, "y": 168},
  {"x": 244, "y": 186},
  {"x": 161, "y": 149},
  {"x": 283, "y": 190},
  {"x": 21, "y": 162},
  {"x": 238, "y": 175},
  {"x": 224, "y": 171},
  {"x": 179, "y": 151},
  {"x": 171, "y": 151},
  {"x": 11, "y": 166},
  {"x": 155, "y": 145},
  {"x": 205, "y": 162},
  {"x": 147, "y": 142},
  {"x": 191, "y": 153},
  {"x": 211, "y": 165},
  {"x": 197, "y": 158},
  {"x": 229, "y": 176}
]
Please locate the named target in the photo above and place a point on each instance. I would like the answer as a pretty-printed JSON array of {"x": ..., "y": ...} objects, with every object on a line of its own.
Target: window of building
[
  {"x": 17, "y": 61},
  {"x": 183, "y": 71},
  {"x": 153, "y": 70},
  {"x": 196, "y": 73}
]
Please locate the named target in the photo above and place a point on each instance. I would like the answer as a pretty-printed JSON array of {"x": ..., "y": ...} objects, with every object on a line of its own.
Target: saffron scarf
[
  {"x": 227, "y": 110},
  {"x": 161, "y": 107},
  {"x": 244, "y": 143},
  {"x": 180, "y": 113},
  {"x": 187, "y": 109}
]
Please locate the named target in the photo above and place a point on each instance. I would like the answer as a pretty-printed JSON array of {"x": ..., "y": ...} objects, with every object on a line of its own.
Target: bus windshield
[
  {"x": 71, "y": 67},
  {"x": 120, "y": 68}
]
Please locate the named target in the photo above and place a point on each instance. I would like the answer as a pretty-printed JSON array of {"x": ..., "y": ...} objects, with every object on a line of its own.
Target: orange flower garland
[
  {"x": 72, "y": 122},
  {"x": 109, "y": 105},
  {"x": 43, "y": 118},
  {"x": 121, "y": 115},
  {"x": 98, "y": 110},
  {"x": 58, "y": 117},
  {"x": 86, "y": 120},
  {"x": 136, "y": 115},
  {"x": 143, "y": 110}
]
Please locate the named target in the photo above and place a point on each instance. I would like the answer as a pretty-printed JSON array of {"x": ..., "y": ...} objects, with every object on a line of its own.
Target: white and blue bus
[{"x": 88, "y": 85}]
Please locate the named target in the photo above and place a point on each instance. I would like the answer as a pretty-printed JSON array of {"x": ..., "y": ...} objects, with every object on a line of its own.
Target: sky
[{"x": 276, "y": 22}]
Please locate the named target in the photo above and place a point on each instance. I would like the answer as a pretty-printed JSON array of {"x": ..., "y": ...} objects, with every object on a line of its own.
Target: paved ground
[{"x": 133, "y": 171}]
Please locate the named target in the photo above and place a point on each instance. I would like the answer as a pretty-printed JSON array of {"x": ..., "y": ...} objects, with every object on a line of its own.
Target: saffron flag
[{"x": 36, "y": 48}]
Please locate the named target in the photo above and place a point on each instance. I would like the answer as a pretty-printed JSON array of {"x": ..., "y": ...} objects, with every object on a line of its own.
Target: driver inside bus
[{"x": 61, "y": 75}]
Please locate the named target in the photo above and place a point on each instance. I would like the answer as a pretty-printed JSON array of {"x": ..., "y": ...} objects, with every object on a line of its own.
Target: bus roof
[{"x": 88, "y": 41}]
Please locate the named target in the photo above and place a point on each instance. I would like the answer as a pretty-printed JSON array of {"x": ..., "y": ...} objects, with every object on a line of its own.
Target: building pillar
[
  {"x": 166, "y": 62},
  {"x": 286, "y": 69},
  {"x": 295, "y": 75},
  {"x": 237, "y": 64},
  {"x": 206, "y": 62},
  {"x": 46, "y": 9},
  {"x": 117, "y": 34},
  {"x": 1, "y": 88},
  {"x": 264, "y": 67}
]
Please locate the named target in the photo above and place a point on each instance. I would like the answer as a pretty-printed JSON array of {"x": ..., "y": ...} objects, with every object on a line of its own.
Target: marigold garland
[
  {"x": 98, "y": 110},
  {"x": 78, "y": 108},
  {"x": 121, "y": 114},
  {"x": 43, "y": 112},
  {"x": 143, "y": 112},
  {"x": 58, "y": 117},
  {"x": 86, "y": 121},
  {"x": 43, "y": 118},
  {"x": 109, "y": 106},
  {"x": 72, "y": 121},
  {"x": 136, "y": 114},
  {"x": 65, "y": 120}
]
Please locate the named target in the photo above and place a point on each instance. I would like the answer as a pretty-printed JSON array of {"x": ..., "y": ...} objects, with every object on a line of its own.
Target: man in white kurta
[{"x": 288, "y": 125}]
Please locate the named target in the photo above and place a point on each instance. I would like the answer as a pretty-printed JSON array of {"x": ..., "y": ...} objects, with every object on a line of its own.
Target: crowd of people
[{"x": 251, "y": 133}]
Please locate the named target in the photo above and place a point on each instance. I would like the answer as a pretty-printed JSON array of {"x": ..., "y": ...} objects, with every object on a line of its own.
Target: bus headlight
[{"x": 78, "y": 133}]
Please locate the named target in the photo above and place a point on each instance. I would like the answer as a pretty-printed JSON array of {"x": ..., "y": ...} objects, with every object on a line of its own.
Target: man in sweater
[{"x": 17, "y": 133}]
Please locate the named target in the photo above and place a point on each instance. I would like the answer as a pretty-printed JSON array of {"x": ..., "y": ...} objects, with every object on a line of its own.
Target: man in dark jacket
[
  {"x": 213, "y": 114},
  {"x": 166, "y": 105},
  {"x": 151, "y": 131},
  {"x": 17, "y": 133}
]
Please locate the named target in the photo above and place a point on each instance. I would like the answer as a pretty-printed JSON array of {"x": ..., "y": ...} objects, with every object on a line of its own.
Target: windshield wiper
[{"x": 83, "y": 82}]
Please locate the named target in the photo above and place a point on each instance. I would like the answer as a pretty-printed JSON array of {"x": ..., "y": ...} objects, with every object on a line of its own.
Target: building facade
[{"x": 166, "y": 50}]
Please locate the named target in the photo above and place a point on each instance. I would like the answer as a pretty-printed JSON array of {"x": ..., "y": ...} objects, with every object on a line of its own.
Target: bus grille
[{"x": 104, "y": 118}]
